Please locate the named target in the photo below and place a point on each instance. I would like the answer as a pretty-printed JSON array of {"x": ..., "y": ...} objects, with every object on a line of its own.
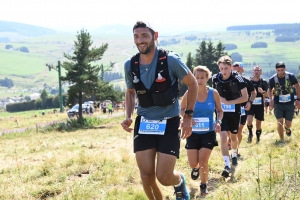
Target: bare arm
[
  {"x": 183, "y": 103},
  {"x": 191, "y": 95},
  {"x": 270, "y": 94},
  {"x": 192, "y": 92},
  {"x": 218, "y": 105},
  {"x": 217, "y": 126},
  {"x": 130, "y": 103},
  {"x": 252, "y": 97},
  {"x": 298, "y": 95},
  {"x": 130, "y": 97}
]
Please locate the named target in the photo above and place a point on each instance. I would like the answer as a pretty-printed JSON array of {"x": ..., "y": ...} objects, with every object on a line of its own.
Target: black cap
[{"x": 280, "y": 65}]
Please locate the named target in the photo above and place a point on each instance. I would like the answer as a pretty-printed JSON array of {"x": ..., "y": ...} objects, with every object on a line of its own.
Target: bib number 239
[{"x": 153, "y": 127}]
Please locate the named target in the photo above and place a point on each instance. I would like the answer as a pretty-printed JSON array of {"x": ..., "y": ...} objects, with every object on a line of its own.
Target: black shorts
[
  {"x": 267, "y": 104},
  {"x": 198, "y": 141},
  {"x": 257, "y": 111},
  {"x": 231, "y": 122},
  {"x": 169, "y": 143},
  {"x": 243, "y": 119}
]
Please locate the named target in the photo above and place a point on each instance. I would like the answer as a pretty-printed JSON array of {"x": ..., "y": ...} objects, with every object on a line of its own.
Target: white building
[{"x": 35, "y": 96}]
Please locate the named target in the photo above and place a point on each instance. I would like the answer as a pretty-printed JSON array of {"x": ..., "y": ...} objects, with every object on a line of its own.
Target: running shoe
[
  {"x": 203, "y": 190},
  {"x": 288, "y": 132},
  {"x": 195, "y": 173},
  {"x": 181, "y": 191},
  {"x": 234, "y": 161},
  {"x": 238, "y": 154},
  {"x": 226, "y": 172},
  {"x": 229, "y": 144}
]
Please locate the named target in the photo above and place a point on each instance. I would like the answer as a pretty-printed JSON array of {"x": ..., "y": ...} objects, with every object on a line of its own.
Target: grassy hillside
[
  {"x": 99, "y": 163},
  {"x": 28, "y": 69}
]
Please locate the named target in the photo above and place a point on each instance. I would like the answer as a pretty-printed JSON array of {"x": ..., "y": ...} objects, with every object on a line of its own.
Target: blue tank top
[{"x": 206, "y": 109}]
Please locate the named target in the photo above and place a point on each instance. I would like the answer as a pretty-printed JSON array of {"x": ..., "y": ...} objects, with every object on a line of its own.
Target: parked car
[{"x": 74, "y": 111}]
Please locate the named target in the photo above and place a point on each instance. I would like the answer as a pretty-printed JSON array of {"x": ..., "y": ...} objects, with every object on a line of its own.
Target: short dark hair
[
  {"x": 280, "y": 65},
  {"x": 141, "y": 24}
]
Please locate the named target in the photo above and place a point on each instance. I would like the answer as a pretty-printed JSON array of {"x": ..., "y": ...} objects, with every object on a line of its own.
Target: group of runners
[{"x": 224, "y": 108}]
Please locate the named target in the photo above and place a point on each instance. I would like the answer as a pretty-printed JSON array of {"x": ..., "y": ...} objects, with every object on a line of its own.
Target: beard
[{"x": 148, "y": 48}]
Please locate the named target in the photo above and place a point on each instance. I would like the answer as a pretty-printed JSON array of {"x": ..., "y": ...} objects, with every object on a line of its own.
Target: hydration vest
[
  {"x": 287, "y": 86},
  {"x": 261, "y": 83},
  {"x": 233, "y": 92},
  {"x": 161, "y": 92}
]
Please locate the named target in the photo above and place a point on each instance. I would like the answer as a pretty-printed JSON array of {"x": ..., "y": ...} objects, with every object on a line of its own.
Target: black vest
[
  {"x": 161, "y": 92},
  {"x": 228, "y": 88}
]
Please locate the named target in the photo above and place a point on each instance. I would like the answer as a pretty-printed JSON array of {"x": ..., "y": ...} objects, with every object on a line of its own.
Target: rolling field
[{"x": 28, "y": 70}]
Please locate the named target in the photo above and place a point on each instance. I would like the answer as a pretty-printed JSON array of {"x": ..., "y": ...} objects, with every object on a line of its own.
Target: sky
[{"x": 206, "y": 15}]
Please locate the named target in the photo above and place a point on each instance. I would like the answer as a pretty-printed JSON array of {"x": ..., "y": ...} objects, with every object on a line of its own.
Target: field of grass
[
  {"x": 98, "y": 163},
  {"x": 28, "y": 70}
]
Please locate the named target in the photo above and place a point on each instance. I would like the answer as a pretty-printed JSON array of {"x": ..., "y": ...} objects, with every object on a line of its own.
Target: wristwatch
[
  {"x": 189, "y": 113},
  {"x": 219, "y": 121}
]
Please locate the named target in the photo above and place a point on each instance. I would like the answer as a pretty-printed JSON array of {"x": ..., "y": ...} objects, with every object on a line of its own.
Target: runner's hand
[
  {"x": 126, "y": 125},
  {"x": 248, "y": 106},
  {"x": 217, "y": 128},
  {"x": 186, "y": 127}
]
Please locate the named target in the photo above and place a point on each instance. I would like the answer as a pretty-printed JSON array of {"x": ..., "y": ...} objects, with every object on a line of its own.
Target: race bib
[
  {"x": 228, "y": 107},
  {"x": 202, "y": 124},
  {"x": 284, "y": 98},
  {"x": 267, "y": 100},
  {"x": 257, "y": 101},
  {"x": 243, "y": 111},
  {"x": 152, "y": 127}
]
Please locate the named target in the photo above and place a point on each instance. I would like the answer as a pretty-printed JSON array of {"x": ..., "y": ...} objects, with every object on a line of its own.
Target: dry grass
[{"x": 99, "y": 164}]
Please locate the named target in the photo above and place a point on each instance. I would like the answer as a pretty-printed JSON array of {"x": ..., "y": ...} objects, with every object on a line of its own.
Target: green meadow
[{"x": 28, "y": 70}]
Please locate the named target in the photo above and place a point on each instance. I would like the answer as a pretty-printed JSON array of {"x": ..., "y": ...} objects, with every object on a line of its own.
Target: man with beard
[
  {"x": 283, "y": 101},
  {"x": 257, "y": 109},
  {"x": 152, "y": 75}
]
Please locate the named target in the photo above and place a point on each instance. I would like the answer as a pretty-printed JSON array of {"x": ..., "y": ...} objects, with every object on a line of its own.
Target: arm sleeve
[
  {"x": 128, "y": 75},
  {"x": 293, "y": 79},
  {"x": 179, "y": 69},
  {"x": 250, "y": 86},
  {"x": 271, "y": 83},
  {"x": 241, "y": 83}
]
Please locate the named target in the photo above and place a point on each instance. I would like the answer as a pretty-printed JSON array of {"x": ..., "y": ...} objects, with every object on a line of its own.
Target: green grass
[{"x": 98, "y": 163}]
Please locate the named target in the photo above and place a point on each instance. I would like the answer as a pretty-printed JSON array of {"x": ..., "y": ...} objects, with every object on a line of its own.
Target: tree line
[
  {"x": 22, "y": 48},
  {"x": 6, "y": 82},
  {"x": 206, "y": 55}
]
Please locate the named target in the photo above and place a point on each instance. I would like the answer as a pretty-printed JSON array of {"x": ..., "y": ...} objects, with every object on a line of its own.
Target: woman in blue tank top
[{"x": 203, "y": 139}]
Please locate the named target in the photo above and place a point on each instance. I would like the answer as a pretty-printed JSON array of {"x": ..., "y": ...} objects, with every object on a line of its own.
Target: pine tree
[
  {"x": 189, "y": 64},
  {"x": 81, "y": 75}
]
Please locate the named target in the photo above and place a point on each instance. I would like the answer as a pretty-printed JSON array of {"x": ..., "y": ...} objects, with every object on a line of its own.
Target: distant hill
[
  {"x": 24, "y": 29},
  {"x": 294, "y": 26},
  {"x": 113, "y": 29}
]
